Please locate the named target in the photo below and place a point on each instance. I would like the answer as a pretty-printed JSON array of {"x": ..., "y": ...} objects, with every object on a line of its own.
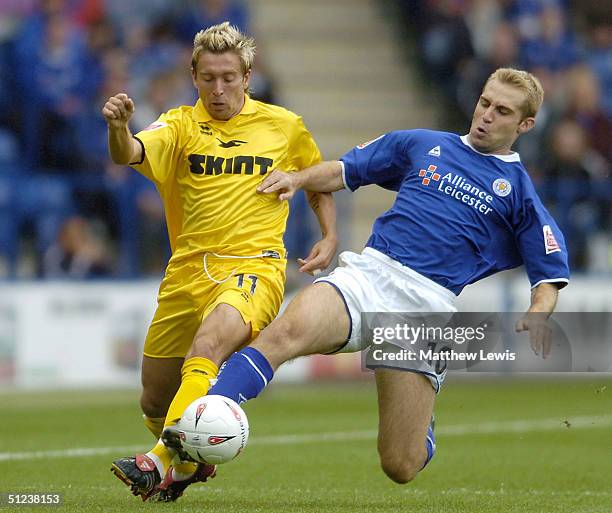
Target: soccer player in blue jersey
[{"x": 465, "y": 209}]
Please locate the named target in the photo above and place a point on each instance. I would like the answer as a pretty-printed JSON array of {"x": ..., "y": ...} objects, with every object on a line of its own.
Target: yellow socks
[
  {"x": 155, "y": 425},
  {"x": 196, "y": 375},
  {"x": 184, "y": 469}
]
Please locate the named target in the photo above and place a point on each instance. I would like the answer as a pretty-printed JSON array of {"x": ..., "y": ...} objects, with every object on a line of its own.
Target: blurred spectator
[
  {"x": 91, "y": 135},
  {"x": 569, "y": 165},
  {"x": 133, "y": 15},
  {"x": 153, "y": 51},
  {"x": 164, "y": 91},
  {"x": 446, "y": 43},
  {"x": 153, "y": 244},
  {"x": 298, "y": 238},
  {"x": 43, "y": 204},
  {"x": 554, "y": 48},
  {"x": 585, "y": 107},
  {"x": 144, "y": 246},
  {"x": 78, "y": 253},
  {"x": 11, "y": 14},
  {"x": 502, "y": 52},
  {"x": 196, "y": 15},
  {"x": 56, "y": 80},
  {"x": 569, "y": 149},
  {"x": 483, "y": 18},
  {"x": 261, "y": 85},
  {"x": 600, "y": 57},
  {"x": 552, "y": 111}
]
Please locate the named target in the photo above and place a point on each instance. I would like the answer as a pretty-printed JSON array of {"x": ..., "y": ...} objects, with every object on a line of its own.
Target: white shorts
[{"x": 374, "y": 282}]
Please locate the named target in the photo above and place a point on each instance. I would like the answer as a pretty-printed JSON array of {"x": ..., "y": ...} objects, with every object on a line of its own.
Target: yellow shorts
[{"x": 187, "y": 295}]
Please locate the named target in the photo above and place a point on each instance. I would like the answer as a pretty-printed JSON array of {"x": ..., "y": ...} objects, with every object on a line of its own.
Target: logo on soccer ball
[
  {"x": 216, "y": 440},
  {"x": 199, "y": 411},
  {"x": 429, "y": 175},
  {"x": 235, "y": 412},
  {"x": 502, "y": 187}
]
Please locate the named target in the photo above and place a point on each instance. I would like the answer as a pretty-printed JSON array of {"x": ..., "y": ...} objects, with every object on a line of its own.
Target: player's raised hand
[
  {"x": 320, "y": 256},
  {"x": 284, "y": 184},
  {"x": 118, "y": 110},
  {"x": 540, "y": 332}
]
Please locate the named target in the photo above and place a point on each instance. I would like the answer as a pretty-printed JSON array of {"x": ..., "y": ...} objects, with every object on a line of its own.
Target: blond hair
[
  {"x": 224, "y": 38},
  {"x": 524, "y": 81}
]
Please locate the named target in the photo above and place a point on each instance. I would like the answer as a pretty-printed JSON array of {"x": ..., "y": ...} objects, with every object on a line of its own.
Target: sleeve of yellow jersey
[
  {"x": 303, "y": 151},
  {"x": 161, "y": 148}
]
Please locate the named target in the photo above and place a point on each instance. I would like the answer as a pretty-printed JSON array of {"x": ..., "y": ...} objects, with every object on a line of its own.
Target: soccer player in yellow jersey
[{"x": 224, "y": 282}]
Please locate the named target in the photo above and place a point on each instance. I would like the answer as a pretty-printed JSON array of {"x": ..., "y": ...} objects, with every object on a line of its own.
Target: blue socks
[
  {"x": 430, "y": 444},
  {"x": 243, "y": 376},
  {"x": 246, "y": 373}
]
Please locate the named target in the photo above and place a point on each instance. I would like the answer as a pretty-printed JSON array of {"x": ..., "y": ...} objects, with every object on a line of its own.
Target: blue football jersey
[{"x": 459, "y": 215}]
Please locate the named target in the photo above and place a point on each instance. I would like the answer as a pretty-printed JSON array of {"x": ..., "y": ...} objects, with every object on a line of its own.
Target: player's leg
[
  {"x": 405, "y": 404},
  {"x": 222, "y": 328},
  {"x": 255, "y": 293},
  {"x": 222, "y": 332},
  {"x": 169, "y": 337},
  {"x": 161, "y": 378},
  {"x": 316, "y": 321}
]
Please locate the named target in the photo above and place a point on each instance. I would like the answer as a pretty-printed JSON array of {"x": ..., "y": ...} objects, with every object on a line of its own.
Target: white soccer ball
[{"x": 213, "y": 429}]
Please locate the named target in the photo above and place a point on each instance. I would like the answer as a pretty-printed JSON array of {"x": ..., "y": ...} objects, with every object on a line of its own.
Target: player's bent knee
[
  {"x": 400, "y": 466},
  {"x": 154, "y": 405},
  {"x": 207, "y": 346},
  {"x": 399, "y": 471},
  {"x": 284, "y": 331},
  {"x": 281, "y": 341}
]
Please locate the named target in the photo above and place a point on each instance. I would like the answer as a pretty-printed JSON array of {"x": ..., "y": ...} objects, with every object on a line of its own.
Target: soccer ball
[{"x": 213, "y": 429}]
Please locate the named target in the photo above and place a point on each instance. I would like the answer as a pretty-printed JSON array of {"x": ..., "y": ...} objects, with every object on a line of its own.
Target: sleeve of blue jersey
[
  {"x": 383, "y": 161},
  {"x": 540, "y": 241}
]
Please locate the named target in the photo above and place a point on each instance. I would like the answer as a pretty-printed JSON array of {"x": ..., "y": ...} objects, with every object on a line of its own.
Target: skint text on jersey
[{"x": 239, "y": 165}]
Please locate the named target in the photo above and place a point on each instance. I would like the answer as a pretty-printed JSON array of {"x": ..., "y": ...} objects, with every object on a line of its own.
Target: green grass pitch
[{"x": 503, "y": 446}]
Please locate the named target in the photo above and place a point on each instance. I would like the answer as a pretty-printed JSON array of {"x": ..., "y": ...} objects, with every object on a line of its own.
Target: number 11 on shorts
[{"x": 251, "y": 277}]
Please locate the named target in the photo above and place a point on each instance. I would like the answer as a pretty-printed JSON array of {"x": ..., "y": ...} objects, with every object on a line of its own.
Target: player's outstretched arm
[
  {"x": 323, "y": 177},
  {"x": 543, "y": 302},
  {"x": 123, "y": 148}
]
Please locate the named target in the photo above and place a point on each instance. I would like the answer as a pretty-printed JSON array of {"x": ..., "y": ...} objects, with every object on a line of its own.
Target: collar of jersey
[
  {"x": 201, "y": 114},
  {"x": 512, "y": 157}
]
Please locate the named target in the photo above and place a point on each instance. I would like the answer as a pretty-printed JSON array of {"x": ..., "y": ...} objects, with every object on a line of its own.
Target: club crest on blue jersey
[{"x": 502, "y": 187}]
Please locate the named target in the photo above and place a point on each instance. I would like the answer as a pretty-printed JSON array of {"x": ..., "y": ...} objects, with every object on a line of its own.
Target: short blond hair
[
  {"x": 224, "y": 38},
  {"x": 525, "y": 81}
]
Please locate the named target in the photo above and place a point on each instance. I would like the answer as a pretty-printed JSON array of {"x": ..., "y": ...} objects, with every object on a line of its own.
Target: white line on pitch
[{"x": 517, "y": 426}]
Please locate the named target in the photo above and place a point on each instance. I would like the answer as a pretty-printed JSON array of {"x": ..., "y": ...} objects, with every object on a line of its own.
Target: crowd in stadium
[{"x": 63, "y": 200}]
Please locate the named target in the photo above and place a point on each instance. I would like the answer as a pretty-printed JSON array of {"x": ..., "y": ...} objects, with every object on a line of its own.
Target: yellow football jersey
[{"x": 207, "y": 172}]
